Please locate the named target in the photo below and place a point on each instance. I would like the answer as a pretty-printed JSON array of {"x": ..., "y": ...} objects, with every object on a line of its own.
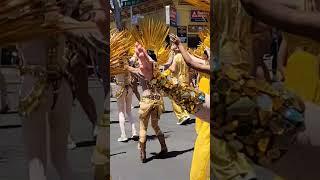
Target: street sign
[{"x": 131, "y": 2}]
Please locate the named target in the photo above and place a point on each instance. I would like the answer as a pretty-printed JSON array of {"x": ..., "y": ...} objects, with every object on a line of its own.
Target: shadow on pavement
[
  {"x": 10, "y": 112},
  {"x": 11, "y": 126},
  {"x": 154, "y": 137},
  {"x": 170, "y": 154},
  {"x": 189, "y": 122},
  {"x": 86, "y": 143},
  {"x": 117, "y": 154}
]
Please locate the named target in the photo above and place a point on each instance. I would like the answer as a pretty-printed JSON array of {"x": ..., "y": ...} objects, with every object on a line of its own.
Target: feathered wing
[
  {"x": 120, "y": 44},
  {"x": 201, "y": 4},
  {"x": 205, "y": 43},
  {"x": 151, "y": 34},
  {"x": 22, "y": 20}
]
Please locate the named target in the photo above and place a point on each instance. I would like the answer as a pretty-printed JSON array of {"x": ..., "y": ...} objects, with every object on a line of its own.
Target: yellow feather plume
[
  {"x": 201, "y": 4},
  {"x": 205, "y": 43},
  {"x": 151, "y": 34},
  {"x": 22, "y": 20},
  {"x": 120, "y": 44}
]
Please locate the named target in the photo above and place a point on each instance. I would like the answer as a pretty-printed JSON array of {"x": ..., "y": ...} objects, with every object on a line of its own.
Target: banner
[
  {"x": 199, "y": 16},
  {"x": 171, "y": 16}
]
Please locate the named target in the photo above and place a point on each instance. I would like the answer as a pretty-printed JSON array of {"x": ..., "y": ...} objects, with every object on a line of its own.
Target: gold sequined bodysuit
[{"x": 123, "y": 81}]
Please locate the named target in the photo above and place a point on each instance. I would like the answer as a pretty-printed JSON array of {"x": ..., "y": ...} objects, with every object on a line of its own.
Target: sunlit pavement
[{"x": 125, "y": 157}]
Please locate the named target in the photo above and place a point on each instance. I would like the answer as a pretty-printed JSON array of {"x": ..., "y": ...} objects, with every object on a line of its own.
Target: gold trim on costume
[{"x": 185, "y": 96}]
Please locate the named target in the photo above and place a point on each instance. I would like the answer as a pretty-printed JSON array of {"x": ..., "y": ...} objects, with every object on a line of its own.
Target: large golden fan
[
  {"x": 120, "y": 43},
  {"x": 201, "y": 4},
  {"x": 22, "y": 20},
  {"x": 151, "y": 34},
  {"x": 205, "y": 43}
]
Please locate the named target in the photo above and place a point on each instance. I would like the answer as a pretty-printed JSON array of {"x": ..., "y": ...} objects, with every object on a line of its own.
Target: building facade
[{"x": 185, "y": 20}]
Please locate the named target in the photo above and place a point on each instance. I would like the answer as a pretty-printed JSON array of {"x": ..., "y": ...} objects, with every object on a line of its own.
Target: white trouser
[{"x": 124, "y": 111}]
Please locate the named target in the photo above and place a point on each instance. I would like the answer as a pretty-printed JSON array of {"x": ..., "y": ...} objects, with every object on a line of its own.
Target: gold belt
[
  {"x": 152, "y": 97},
  {"x": 46, "y": 77}
]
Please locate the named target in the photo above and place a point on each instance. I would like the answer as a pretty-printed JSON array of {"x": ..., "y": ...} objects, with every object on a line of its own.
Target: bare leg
[
  {"x": 135, "y": 89},
  {"x": 34, "y": 136},
  {"x": 155, "y": 122},
  {"x": 128, "y": 102},
  {"x": 104, "y": 72},
  {"x": 3, "y": 91},
  {"x": 59, "y": 127},
  {"x": 82, "y": 94},
  {"x": 34, "y": 125}
]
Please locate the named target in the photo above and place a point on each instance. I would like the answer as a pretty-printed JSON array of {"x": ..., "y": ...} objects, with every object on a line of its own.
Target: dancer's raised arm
[
  {"x": 189, "y": 61},
  {"x": 284, "y": 15},
  {"x": 194, "y": 101}
]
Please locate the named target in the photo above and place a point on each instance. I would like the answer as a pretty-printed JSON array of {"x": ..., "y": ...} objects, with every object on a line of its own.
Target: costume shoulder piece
[
  {"x": 120, "y": 43},
  {"x": 201, "y": 4},
  {"x": 205, "y": 43},
  {"x": 254, "y": 117},
  {"x": 151, "y": 34},
  {"x": 21, "y": 20}
]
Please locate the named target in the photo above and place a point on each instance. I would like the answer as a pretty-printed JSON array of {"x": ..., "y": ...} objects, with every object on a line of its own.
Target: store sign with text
[
  {"x": 182, "y": 33},
  {"x": 199, "y": 16}
]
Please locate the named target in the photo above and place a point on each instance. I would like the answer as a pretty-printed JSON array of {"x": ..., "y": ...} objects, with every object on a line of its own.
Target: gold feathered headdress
[
  {"x": 201, "y": 4},
  {"x": 120, "y": 44},
  {"x": 151, "y": 34},
  {"x": 205, "y": 43},
  {"x": 22, "y": 20}
]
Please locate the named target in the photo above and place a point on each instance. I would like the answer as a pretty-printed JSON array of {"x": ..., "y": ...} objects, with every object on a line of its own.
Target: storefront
[{"x": 185, "y": 20}]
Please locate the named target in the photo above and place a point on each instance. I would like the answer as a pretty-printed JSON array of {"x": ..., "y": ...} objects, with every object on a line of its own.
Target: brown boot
[
  {"x": 162, "y": 141},
  {"x": 143, "y": 152}
]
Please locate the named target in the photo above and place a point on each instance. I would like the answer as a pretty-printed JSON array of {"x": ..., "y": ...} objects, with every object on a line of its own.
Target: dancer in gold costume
[
  {"x": 46, "y": 87},
  {"x": 179, "y": 70},
  {"x": 152, "y": 33}
]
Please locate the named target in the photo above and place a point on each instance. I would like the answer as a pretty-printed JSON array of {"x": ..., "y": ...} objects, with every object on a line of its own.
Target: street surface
[
  {"x": 125, "y": 157},
  {"x": 12, "y": 153}
]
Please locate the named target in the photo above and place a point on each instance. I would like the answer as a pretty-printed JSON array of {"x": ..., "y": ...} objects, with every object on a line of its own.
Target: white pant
[{"x": 124, "y": 111}]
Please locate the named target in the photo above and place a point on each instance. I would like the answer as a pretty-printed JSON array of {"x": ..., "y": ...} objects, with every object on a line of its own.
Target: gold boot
[
  {"x": 162, "y": 141},
  {"x": 143, "y": 152}
]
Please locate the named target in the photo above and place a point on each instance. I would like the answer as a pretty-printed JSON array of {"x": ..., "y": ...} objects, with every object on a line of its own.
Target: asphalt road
[
  {"x": 12, "y": 153},
  {"x": 125, "y": 157}
]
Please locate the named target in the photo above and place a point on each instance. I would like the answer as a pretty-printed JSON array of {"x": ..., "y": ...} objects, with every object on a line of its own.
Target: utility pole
[{"x": 117, "y": 14}]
